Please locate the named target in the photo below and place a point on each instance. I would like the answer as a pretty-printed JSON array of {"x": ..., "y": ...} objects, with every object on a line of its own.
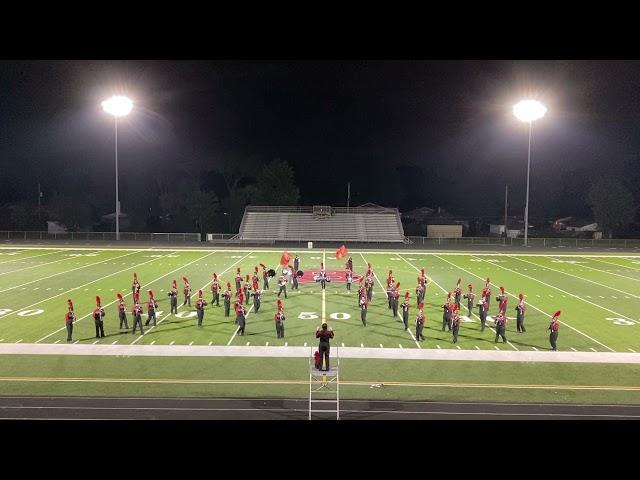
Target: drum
[
  {"x": 299, "y": 273},
  {"x": 271, "y": 272}
]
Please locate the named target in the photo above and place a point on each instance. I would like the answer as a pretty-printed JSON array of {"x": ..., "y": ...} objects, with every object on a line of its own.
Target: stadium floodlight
[
  {"x": 528, "y": 111},
  {"x": 118, "y": 106}
]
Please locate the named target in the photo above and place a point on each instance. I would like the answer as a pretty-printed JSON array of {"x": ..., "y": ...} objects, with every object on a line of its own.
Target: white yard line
[
  {"x": 399, "y": 314},
  {"x": 610, "y": 273},
  {"x": 445, "y": 291},
  {"x": 530, "y": 304},
  {"x": 35, "y": 266},
  {"x": 576, "y": 276},
  {"x": 126, "y": 295},
  {"x": 66, "y": 271},
  {"x": 57, "y": 250},
  {"x": 567, "y": 293},
  {"x": 617, "y": 264},
  {"x": 66, "y": 292}
]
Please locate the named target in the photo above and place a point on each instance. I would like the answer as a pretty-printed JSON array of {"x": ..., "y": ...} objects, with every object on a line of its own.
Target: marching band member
[
  {"x": 368, "y": 283},
  {"x": 151, "y": 309},
  {"x": 323, "y": 276},
  {"x": 135, "y": 286},
  {"x": 364, "y": 306},
  {"x": 501, "y": 327},
  {"x": 136, "y": 311},
  {"x": 520, "y": 309},
  {"x": 390, "y": 281},
  {"x": 69, "y": 318},
  {"x": 98, "y": 315},
  {"x": 554, "y": 326},
  {"x": 265, "y": 277},
  {"x": 420, "y": 323},
  {"x": 470, "y": 296},
  {"x": 282, "y": 283},
  {"x": 200, "y": 304},
  {"x": 247, "y": 290},
  {"x": 446, "y": 315},
  {"x": 173, "y": 297},
  {"x": 215, "y": 287},
  {"x": 241, "y": 318},
  {"x": 279, "y": 319},
  {"x": 455, "y": 322},
  {"x": 238, "y": 279},
  {"x": 227, "y": 299},
  {"x": 186, "y": 291},
  {"x": 405, "y": 311},
  {"x": 395, "y": 294},
  {"x": 420, "y": 291},
  {"x": 457, "y": 293},
  {"x": 502, "y": 299},
  {"x": 483, "y": 309},
  {"x": 349, "y": 278},
  {"x": 488, "y": 289},
  {"x": 122, "y": 312},
  {"x": 255, "y": 277},
  {"x": 256, "y": 297}
]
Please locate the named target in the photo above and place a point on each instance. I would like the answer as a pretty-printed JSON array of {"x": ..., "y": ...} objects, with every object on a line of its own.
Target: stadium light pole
[
  {"x": 528, "y": 111},
  {"x": 118, "y": 106}
]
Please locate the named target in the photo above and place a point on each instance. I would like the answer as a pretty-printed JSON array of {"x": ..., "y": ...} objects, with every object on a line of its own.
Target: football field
[{"x": 598, "y": 295}]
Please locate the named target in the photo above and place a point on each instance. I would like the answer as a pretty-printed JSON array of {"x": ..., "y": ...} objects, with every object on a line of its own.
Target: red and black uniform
[
  {"x": 390, "y": 282},
  {"x": 247, "y": 290},
  {"x": 501, "y": 328},
  {"x": 502, "y": 299},
  {"x": 420, "y": 291},
  {"x": 136, "y": 311},
  {"x": 349, "y": 278},
  {"x": 151, "y": 311},
  {"x": 405, "y": 311},
  {"x": 256, "y": 298},
  {"x": 282, "y": 283},
  {"x": 361, "y": 291},
  {"x": 265, "y": 279},
  {"x": 420, "y": 325},
  {"x": 470, "y": 296},
  {"x": 395, "y": 295},
  {"x": 488, "y": 293},
  {"x": 455, "y": 323},
  {"x": 238, "y": 280},
  {"x": 520, "y": 309},
  {"x": 122, "y": 315},
  {"x": 364, "y": 306},
  {"x": 187, "y": 294},
  {"x": 226, "y": 296},
  {"x": 457, "y": 295},
  {"x": 279, "y": 318},
  {"x": 446, "y": 315},
  {"x": 554, "y": 326},
  {"x": 325, "y": 335},
  {"x": 69, "y": 318},
  {"x": 98, "y": 315},
  {"x": 241, "y": 318},
  {"x": 368, "y": 284},
  {"x": 215, "y": 291},
  {"x": 200, "y": 304}
]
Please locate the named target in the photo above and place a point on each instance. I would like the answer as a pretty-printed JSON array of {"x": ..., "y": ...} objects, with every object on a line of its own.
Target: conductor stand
[{"x": 324, "y": 388}]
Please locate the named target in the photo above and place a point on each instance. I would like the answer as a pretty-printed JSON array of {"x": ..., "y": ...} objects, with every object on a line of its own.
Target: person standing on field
[
  {"x": 69, "y": 318},
  {"x": 520, "y": 309},
  {"x": 470, "y": 296},
  {"x": 554, "y": 326},
  {"x": 405, "y": 311},
  {"x": 137, "y": 318},
  {"x": 420, "y": 323},
  {"x": 173, "y": 297},
  {"x": 122, "y": 312}
]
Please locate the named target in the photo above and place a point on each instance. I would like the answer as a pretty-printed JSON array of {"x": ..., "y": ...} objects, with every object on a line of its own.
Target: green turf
[
  {"x": 597, "y": 295},
  {"x": 287, "y": 378}
]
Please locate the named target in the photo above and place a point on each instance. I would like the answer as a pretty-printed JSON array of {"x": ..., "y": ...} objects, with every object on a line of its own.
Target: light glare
[
  {"x": 529, "y": 110},
  {"x": 118, "y": 106}
]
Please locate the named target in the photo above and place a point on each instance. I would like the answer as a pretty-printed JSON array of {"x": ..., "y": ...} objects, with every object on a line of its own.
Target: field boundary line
[
  {"x": 580, "y": 265},
  {"x": 618, "y": 265},
  {"x": 57, "y": 250}
]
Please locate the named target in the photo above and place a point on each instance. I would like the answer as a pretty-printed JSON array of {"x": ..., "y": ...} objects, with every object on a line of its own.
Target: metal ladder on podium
[{"x": 324, "y": 386}]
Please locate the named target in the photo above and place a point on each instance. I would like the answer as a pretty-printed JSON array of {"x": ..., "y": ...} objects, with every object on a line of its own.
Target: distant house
[
  {"x": 572, "y": 224},
  {"x": 55, "y": 227}
]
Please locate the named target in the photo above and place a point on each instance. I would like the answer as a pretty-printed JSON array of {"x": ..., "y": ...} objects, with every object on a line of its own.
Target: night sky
[{"x": 443, "y": 131}]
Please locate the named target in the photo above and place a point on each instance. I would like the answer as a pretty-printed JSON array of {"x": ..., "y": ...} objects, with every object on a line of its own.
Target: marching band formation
[{"x": 451, "y": 318}]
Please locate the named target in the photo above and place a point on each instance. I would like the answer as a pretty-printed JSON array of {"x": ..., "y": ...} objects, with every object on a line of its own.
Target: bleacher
[{"x": 357, "y": 224}]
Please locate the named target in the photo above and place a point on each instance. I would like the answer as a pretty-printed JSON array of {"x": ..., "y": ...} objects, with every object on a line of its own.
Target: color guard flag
[
  {"x": 284, "y": 259},
  {"x": 341, "y": 252}
]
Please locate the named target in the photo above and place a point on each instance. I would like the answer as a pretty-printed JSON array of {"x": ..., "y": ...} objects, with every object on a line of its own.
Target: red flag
[
  {"x": 284, "y": 259},
  {"x": 341, "y": 252}
]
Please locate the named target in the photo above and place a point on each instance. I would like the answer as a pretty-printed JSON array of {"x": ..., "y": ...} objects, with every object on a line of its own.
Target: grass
[{"x": 598, "y": 295}]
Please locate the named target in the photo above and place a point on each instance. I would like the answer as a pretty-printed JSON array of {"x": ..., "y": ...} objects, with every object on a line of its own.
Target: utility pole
[
  {"x": 506, "y": 195},
  {"x": 348, "y": 195},
  {"x": 39, "y": 197}
]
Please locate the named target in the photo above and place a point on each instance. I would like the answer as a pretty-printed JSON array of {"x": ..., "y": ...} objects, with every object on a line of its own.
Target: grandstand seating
[{"x": 300, "y": 224}]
